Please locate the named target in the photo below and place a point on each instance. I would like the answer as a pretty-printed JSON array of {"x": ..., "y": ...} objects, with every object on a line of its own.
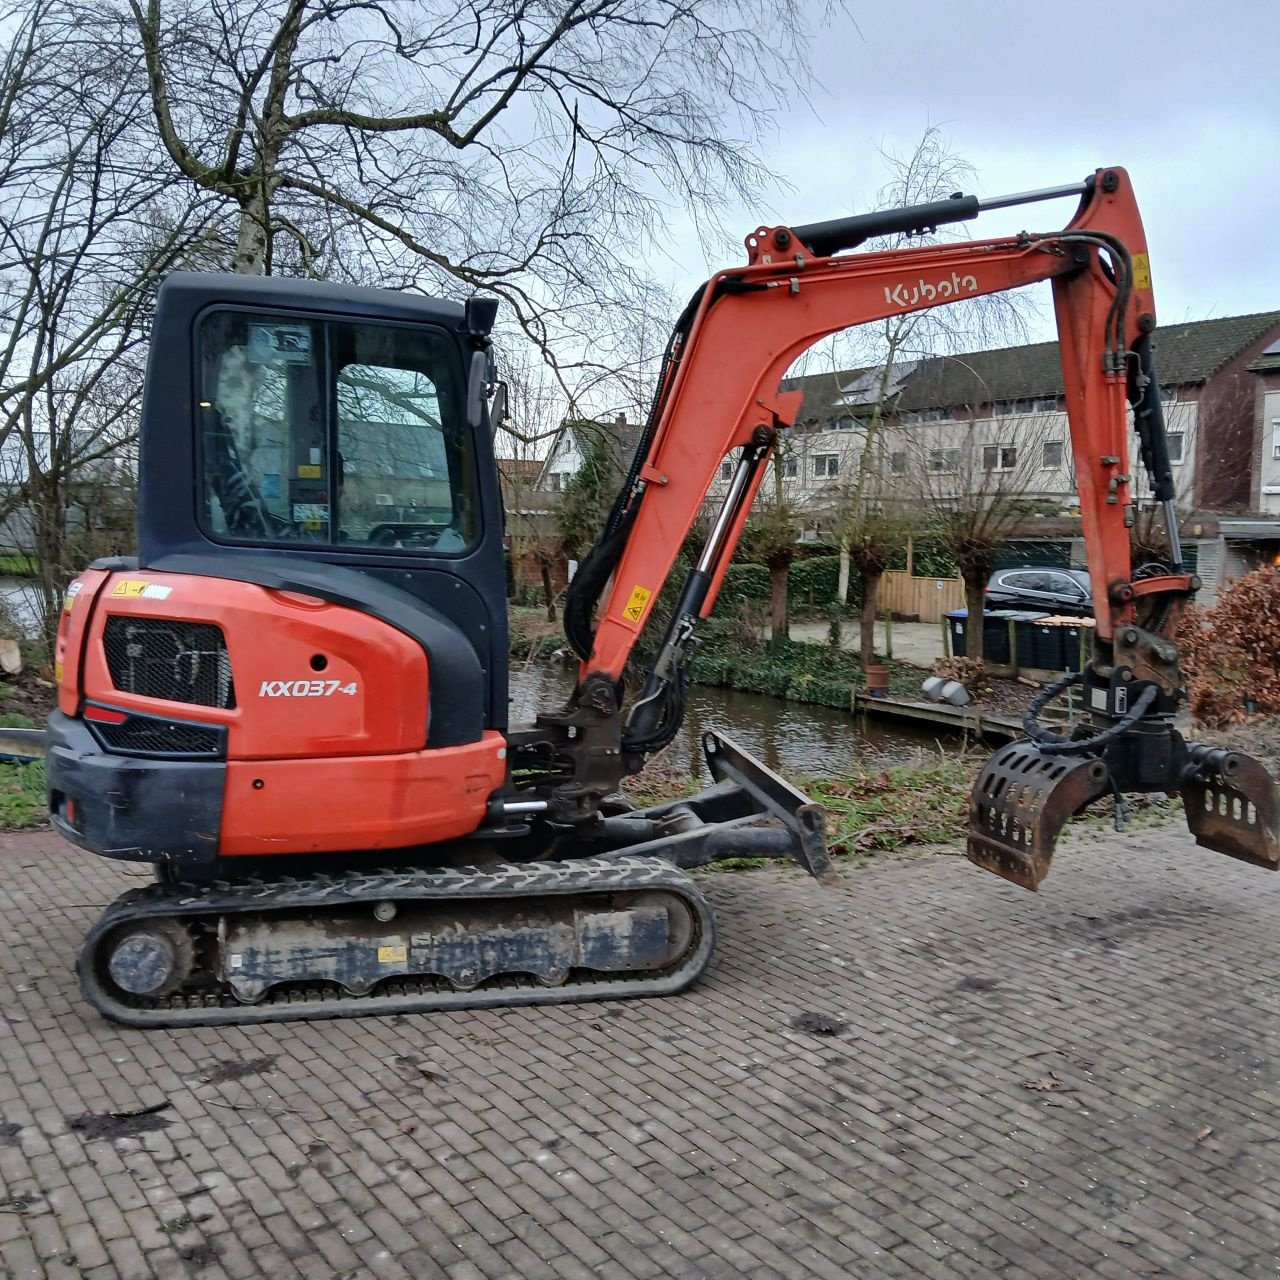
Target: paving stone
[{"x": 1072, "y": 1083}]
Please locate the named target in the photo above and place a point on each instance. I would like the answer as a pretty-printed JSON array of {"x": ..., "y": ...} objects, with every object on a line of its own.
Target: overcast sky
[{"x": 1185, "y": 94}]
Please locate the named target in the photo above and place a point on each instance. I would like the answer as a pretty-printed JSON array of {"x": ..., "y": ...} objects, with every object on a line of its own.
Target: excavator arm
[{"x": 719, "y": 397}]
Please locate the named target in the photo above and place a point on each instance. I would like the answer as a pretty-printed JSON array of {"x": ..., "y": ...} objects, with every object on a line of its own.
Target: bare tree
[
  {"x": 528, "y": 149},
  {"x": 534, "y": 415},
  {"x": 874, "y": 518},
  {"x": 86, "y": 226}
]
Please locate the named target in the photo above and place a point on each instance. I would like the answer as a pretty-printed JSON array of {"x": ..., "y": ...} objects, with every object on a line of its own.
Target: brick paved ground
[{"x": 699, "y": 1136}]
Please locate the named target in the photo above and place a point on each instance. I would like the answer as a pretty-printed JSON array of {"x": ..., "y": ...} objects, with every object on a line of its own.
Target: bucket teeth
[
  {"x": 1232, "y": 806},
  {"x": 1020, "y": 802}
]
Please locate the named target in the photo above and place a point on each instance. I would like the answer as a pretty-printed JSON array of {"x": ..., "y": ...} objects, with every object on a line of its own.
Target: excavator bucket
[
  {"x": 1020, "y": 802},
  {"x": 1232, "y": 806}
]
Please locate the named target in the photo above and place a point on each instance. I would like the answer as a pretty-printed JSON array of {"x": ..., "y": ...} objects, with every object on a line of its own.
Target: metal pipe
[
  {"x": 729, "y": 508},
  {"x": 1175, "y": 541},
  {"x": 1032, "y": 197},
  {"x": 510, "y": 807}
]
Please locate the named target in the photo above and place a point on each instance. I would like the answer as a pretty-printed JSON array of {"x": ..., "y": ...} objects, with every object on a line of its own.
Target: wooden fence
[{"x": 930, "y": 599}]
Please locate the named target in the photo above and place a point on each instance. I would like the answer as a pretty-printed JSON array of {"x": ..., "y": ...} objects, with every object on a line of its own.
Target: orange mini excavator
[{"x": 293, "y": 703}]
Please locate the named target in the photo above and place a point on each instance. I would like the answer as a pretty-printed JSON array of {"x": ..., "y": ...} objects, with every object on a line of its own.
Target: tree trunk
[
  {"x": 778, "y": 603},
  {"x": 251, "y": 240},
  {"x": 842, "y": 583},
  {"x": 547, "y": 593},
  {"x": 49, "y": 521},
  {"x": 974, "y": 599},
  {"x": 870, "y": 594}
]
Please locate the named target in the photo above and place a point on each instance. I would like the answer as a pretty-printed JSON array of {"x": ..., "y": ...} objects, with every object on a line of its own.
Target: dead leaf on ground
[
  {"x": 1204, "y": 1133},
  {"x": 1043, "y": 1084}
]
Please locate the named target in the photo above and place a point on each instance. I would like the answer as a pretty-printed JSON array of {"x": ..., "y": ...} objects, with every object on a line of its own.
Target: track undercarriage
[{"x": 620, "y": 918}]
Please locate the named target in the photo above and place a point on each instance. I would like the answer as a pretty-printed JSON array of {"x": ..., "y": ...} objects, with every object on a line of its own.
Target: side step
[{"x": 397, "y": 942}]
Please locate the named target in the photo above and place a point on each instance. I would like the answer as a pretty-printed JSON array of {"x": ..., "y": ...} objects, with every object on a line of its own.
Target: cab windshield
[{"x": 339, "y": 433}]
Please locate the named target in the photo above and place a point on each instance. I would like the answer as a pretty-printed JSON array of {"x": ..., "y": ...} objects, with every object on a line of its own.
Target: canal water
[
  {"x": 21, "y": 599},
  {"x": 794, "y": 738}
]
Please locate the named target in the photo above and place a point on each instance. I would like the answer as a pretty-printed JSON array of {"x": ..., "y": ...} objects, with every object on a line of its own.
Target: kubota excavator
[{"x": 294, "y": 701}]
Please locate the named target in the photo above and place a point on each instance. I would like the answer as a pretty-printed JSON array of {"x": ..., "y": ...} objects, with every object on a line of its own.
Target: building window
[
  {"x": 1168, "y": 394},
  {"x": 928, "y": 415},
  {"x": 1051, "y": 458},
  {"x": 999, "y": 457},
  {"x": 845, "y": 422},
  {"x": 1176, "y": 442},
  {"x": 1038, "y": 404},
  {"x": 726, "y": 471},
  {"x": 898, "y": 463},
  {"x": 826, "y": 465},
  {"x": 789, "y": 468},
  {"x": 1275, "y": 437},
  {"x": 944, "y": 459}
]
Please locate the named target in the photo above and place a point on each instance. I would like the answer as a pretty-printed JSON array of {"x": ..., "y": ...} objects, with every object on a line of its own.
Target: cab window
[{"x": 348, "y": 434}]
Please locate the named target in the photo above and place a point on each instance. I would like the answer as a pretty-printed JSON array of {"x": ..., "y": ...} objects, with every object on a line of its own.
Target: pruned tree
[
  {"x": 87, "y": 224},
  {"x": 770, "y": 538},
  {"x": 875, "y": 516},
  {"x": 983, "y": 479}
]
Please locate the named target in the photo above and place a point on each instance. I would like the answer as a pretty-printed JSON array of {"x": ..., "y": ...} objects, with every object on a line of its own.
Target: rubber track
[{"x": 401, "y": 995}]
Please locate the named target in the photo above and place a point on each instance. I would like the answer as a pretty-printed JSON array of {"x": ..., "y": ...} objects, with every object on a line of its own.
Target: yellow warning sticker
[
  {"x": 309, "y": 473},
  {"x": 393, "y": 955},
  {"x": 1141, "y": 271},
  {"x": 133, "y": 588},
  {"x": 634, "y": 610},
  {"x": 57, "y": 672}
]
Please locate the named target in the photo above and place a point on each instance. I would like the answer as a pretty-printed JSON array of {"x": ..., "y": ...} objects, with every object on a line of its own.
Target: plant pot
[{"x": 877, "y": 681}]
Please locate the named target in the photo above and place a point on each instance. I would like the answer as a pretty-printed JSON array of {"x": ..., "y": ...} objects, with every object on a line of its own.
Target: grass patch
[
  {"x": 872, "y": 811},
  {"x": 22, "y": 796},
  {"x": 868, "y": 810},
  {"x": 531, "y": 635}
]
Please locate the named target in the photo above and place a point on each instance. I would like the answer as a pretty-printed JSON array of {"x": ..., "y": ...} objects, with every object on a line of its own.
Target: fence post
[
  {"x": 1013, "y": 646},
  {"x": 888, "y": 636},
  {"x": 946, "y": 638}
]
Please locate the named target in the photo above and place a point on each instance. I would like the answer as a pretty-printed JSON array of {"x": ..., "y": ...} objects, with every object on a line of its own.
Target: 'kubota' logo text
[
  {"x": 903, "y": 295},
  {"x": 305, "y": 688}
]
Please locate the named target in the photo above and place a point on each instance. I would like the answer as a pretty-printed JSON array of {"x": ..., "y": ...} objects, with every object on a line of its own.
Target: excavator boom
[{"x": 719, "y": 398}]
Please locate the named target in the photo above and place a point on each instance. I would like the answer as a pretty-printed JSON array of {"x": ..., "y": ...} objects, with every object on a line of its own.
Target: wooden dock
[{"x": 968, "y": 720}]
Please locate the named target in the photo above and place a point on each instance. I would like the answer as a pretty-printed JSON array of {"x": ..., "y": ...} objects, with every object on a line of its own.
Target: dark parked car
[{"x": 1052, "y": 590}]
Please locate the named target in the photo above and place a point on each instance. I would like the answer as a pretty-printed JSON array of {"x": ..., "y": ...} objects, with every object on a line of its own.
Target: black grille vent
[
  {"x": 141, "y": 735},
  {"x": 178, "y": 661}
]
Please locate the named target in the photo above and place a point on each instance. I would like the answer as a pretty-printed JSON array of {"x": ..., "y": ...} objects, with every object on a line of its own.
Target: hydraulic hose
[{"x": 1054, "y": 744}]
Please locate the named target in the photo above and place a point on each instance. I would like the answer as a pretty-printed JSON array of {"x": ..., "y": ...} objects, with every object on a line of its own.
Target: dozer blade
[
  {"x": 1232, "y": 806},
  {"x": 1020, "y": 802}
]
